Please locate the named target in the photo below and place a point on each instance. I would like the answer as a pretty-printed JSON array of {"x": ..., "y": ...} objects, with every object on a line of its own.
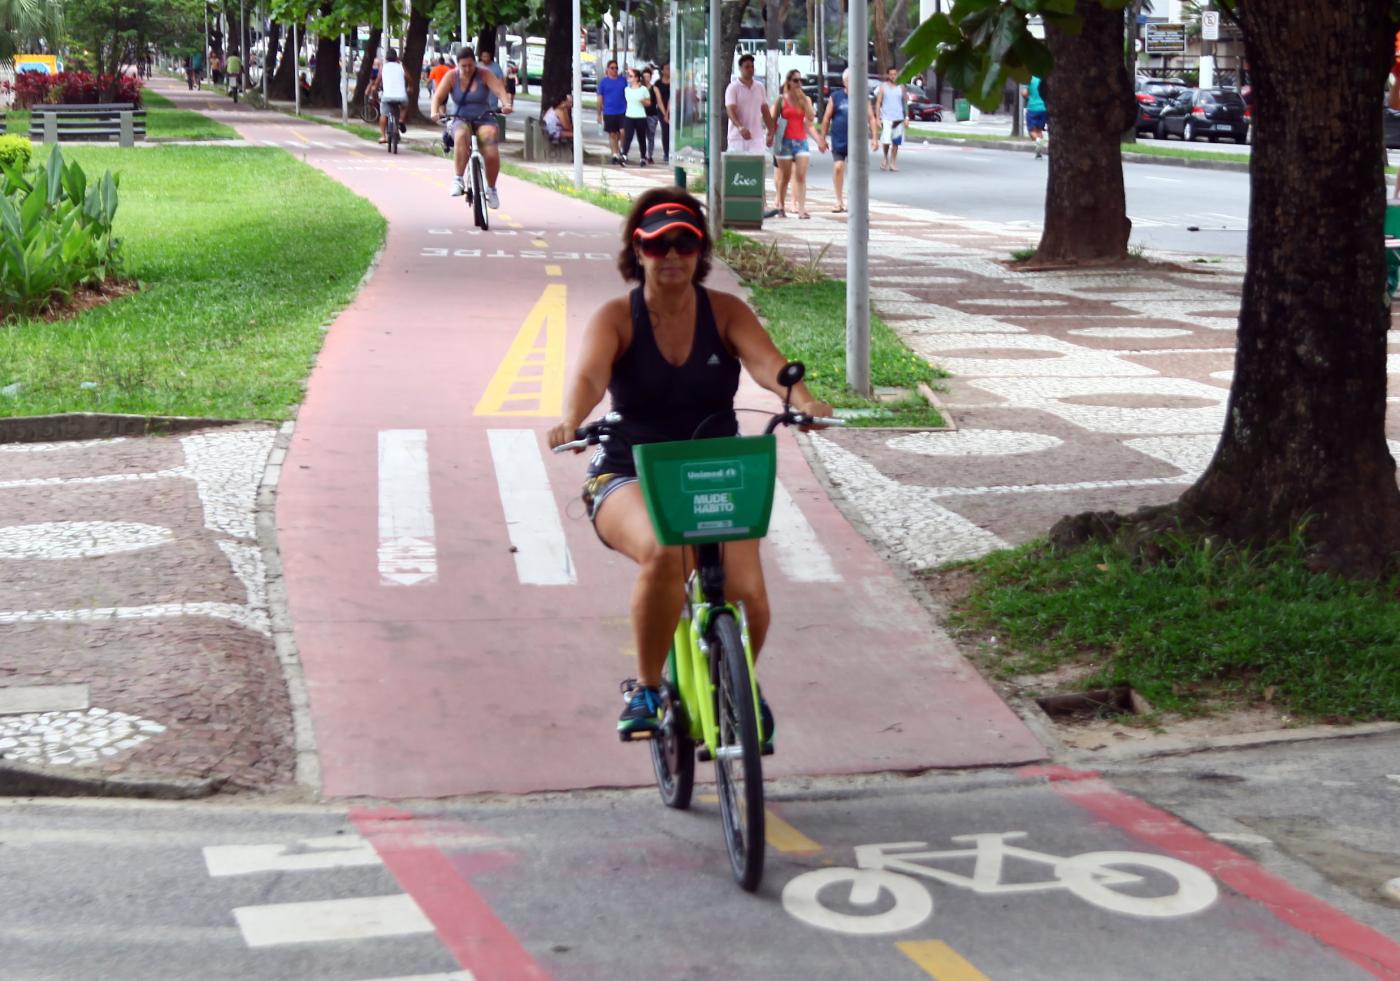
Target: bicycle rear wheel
[
  {"x": 391, "y": 130},
  {"x": 738, "y": 758},
  {"x": 672, "y": 749},
  {"x": 481, "y": 210}
]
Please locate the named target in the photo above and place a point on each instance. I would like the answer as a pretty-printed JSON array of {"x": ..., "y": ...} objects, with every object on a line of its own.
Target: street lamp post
[
  {"x": 858, "y": 224},
  {"x": 296, "y": 71},
  {"x": 576, "y": 119},
  {"x": 714, "y": 105}
]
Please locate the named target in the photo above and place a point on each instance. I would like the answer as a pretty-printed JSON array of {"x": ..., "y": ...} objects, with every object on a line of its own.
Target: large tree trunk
[
  {"x": 274, "y": 38},
  {"x": 414, "y": 44},
  {"x": 1304, "y": 434},
  {"x": 362, "y": 77},
  {"x": 325, "y": 83},
  {"x": 283, "y": 82},
  {"x": 880, "y": 35},
  {"x": 1090, "y": 101},
  {"x": 559, "y": 40}
]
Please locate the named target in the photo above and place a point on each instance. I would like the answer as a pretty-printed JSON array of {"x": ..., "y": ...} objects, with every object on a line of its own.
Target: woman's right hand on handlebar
[{"x": 562, "y": 432}]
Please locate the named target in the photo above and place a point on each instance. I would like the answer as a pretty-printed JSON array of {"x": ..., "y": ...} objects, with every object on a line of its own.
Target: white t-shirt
[
  {"x": 394, "y": 85},
  {"x": 553, "y": 125}
]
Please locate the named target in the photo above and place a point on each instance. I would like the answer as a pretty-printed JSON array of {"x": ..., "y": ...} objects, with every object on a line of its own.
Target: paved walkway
[{"x": 1071, "y": 390}]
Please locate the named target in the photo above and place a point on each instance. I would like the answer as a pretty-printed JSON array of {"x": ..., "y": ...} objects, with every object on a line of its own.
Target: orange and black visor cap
[{"x": 663, "y": 218}]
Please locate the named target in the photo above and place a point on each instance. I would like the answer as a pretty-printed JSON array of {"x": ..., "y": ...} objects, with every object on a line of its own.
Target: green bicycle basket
[{"x": 708, "y": 490}]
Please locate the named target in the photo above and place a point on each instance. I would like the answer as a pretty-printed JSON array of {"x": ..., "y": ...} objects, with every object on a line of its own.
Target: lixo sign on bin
[
  {"x": 708, "y": 490},
  {"x": 743, "y": 190}
]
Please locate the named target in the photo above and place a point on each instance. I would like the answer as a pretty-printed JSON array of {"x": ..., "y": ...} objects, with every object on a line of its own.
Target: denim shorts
[{"x": 786, "y": 149}]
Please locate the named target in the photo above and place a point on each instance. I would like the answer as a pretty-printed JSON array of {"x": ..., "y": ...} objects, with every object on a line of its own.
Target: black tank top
[{"x": 659, "y": 401}]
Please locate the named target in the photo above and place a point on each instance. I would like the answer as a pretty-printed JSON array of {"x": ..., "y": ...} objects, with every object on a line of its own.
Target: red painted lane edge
[
  {"x": 464, "y": 920},
  {"x": 1369, "y": 949}
]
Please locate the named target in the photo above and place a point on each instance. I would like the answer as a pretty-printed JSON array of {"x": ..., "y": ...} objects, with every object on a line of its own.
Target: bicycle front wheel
[
  {"x": 672, "y": 751},
  {"x": 738, "y": 757},
  {"x": 481, "y": 210}
]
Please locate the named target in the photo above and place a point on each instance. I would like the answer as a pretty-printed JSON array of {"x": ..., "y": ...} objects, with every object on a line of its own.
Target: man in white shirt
[
  {"x": 890, "y": 103},
  {"x": 750, "y": 119},
  {"x": 392, "y": 85}
]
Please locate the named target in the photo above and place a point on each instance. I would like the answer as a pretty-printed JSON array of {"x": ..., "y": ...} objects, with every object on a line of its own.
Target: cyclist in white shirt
[{"x": 392, "y": 86}]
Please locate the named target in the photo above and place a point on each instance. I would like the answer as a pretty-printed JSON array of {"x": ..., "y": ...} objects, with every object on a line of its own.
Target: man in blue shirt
[{"x": 612, "y": 109}]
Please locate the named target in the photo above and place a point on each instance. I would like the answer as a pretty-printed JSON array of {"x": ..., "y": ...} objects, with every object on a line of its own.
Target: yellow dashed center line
[
  {"x": 940, "y": 961},
  {"x": 785, "y": 838},
  {"x": 530, "y": 379},
  {"x": 539, "y": 243},
  {"x": 553, "y": 270}
]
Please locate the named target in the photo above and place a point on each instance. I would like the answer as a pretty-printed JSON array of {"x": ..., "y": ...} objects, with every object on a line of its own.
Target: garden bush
[
  {"x": 16, "y": 151},
  {"x": 55, "y": 234},
  {"x": 73, "y": 88}
]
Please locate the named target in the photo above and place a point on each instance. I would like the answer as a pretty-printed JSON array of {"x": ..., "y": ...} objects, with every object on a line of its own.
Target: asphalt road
[
  {"x": 1009, "y": 187},
  {"x": 592, "y": 885}
]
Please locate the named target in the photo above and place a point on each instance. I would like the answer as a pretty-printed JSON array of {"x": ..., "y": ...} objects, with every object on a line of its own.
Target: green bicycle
[{"x": 701, "y": 493}]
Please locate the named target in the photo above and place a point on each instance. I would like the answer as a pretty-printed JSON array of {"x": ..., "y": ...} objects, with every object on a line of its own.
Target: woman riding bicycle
[
  {"x": 669, "y": 353},
  {"x": 463, "y": 100}
]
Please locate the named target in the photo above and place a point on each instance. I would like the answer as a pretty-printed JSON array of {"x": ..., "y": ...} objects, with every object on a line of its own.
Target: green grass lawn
[
  {"x": 163, "y": 122},
  {"x": 238, "y": 279},
  {"x": 1197, "y": 627}
]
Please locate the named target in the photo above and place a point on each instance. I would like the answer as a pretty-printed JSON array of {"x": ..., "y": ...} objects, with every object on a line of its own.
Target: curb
[
  {"x": 100, "y": 425},
  {"x": 1167, "y": 746},
  {"x": 1128, "y": 157},
  {"x": 22, "y": 780}
]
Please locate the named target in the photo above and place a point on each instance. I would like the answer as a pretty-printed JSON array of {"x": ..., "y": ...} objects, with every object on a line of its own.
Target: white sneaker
[
  {"x": 492, "y": 198},
  {"x": 458, "y": 187}
]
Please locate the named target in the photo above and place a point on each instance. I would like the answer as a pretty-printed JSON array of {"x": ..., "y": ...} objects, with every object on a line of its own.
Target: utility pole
[
  {"x": 267, "y": 53},
  {"x": 344, "y": 80},
  {"x": 577, "y": 86},
  {"x": 671, "y": 58},
  {"x": 384, "y": 46},
  {"x": 206, "y": 71},
  {"x": 858, "y": 224},
  {"x": 464, "y": 23},
  {"x": 714, "y": 108}
]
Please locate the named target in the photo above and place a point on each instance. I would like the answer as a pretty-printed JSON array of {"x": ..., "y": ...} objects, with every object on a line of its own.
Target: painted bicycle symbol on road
[{"x": 1110, "y": 880}]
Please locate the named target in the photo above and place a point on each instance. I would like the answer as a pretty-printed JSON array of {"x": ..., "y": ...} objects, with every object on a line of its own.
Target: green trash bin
[
  {"x": 962, "y": 110},
  {"x": 743, "y": 190},
  {"x": 1392, "y": 250}
]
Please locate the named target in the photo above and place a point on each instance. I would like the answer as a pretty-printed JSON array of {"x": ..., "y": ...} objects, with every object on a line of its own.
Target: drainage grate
[{"x": 1101, "y": 703}]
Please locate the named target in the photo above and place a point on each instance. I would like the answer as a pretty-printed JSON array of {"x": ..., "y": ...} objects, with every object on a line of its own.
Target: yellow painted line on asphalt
[
  {"x": 554, "y": 270},
  {"x": 505, "y": 217},
  {"x": 299, "y": 136},
  {"x": 530, "y": 378},
  {"x": 539, "y": 243},
  {"x": 357, "y": 153},
  {"x": 785, "y": 838},
  {"x": 940, "y": 961}
]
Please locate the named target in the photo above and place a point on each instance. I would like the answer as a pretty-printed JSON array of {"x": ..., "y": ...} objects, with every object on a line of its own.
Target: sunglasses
[{"x": 686, "y": 245}]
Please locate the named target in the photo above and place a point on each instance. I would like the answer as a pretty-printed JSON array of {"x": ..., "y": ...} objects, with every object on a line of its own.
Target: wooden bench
[{"x": 124, "y": 122}]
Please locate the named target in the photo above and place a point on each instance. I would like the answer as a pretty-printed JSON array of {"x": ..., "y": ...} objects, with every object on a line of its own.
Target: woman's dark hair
[{"x": 627, "y": 262}]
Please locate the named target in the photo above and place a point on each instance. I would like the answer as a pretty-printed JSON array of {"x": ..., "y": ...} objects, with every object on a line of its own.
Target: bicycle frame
[{"x": 692, "y": 667}]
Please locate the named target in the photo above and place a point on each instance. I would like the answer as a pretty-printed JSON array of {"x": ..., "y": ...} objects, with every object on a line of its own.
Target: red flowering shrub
[{"x": 72, "y": 88}]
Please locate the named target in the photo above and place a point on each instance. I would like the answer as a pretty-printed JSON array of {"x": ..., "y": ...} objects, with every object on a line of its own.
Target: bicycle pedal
[
  {"x": 767, "y": 749},
  {"x": 702, "y": 754},
  {"x": 643, "y": 735}
]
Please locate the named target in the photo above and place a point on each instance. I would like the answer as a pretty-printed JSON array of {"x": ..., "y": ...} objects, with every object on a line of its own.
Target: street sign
[
  {"x": 1164, "y": 38},
  {"x": 1210, "y": 25}
]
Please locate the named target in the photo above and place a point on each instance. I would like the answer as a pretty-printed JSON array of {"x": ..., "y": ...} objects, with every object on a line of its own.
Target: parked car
[
  {"x": 1210, "y": 113},
  {"x": 588, "y": 72},
  {"x": 1153, "y": 94},
  {"x": 921, "y": 107}
]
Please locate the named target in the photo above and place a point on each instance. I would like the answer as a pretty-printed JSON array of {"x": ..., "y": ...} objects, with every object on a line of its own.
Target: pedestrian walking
[
  {"x": 486, "y": 58},
  {"x": 747, "y": 107},
  {"x": 612, "y": 109},
  {"x": 662, "y": 97},
  {"x": 653, "y": 114},
  {"x": 891, "y": 106},
  {"x": 835, "y": 126},
  {"x": 637, "y": 98},
  {"x": 1036, "y": 115},
  {"x": 435, "y": 74},
  {"x": 791, "y": 153}
]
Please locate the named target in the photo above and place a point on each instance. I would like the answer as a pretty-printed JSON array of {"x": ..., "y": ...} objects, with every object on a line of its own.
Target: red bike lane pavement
[{"x": 460, "y": 627}]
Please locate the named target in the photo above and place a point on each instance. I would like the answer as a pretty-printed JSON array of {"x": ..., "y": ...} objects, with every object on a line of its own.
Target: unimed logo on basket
[{"x": 712, "y": 475}]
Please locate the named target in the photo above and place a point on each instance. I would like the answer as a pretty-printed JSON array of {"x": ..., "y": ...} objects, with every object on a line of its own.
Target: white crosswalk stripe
[
  {"x": 320, "y": 921},
  {"x": 335, "y": 851},
  {"x": 407, "y": 545},
  {"x": 532, "y": 518}
]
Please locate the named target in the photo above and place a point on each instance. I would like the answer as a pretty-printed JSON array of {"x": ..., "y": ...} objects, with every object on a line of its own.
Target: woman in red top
[{"x": 796, "y": 119}]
